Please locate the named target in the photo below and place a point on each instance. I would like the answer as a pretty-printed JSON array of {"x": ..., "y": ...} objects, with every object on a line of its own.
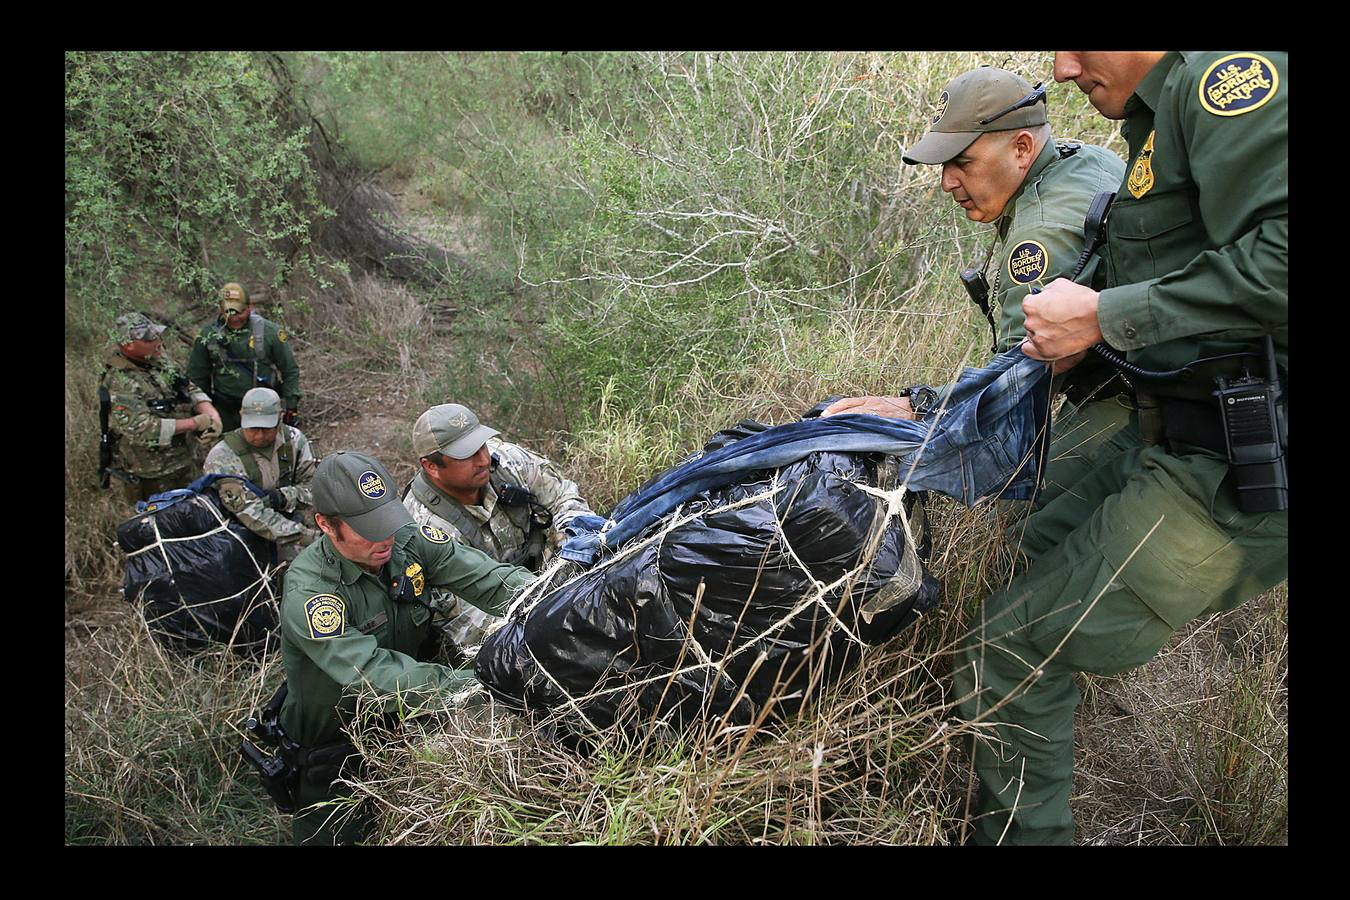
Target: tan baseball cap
[
  {"x": 261, "y": 408},
  {"x": 451, "y": 429},
  {"x": 973, "y": 103},
  {"x": 233, "y": 298},
  {"x": 359, "y": 489}
]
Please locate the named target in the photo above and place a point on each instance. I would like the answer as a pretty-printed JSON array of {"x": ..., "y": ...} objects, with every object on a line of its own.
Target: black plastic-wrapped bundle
[
  {"x": 799, "y": 568},
  {"x": 200, "y": 577}
]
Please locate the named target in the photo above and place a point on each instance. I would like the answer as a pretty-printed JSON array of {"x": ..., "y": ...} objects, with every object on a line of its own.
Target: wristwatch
[{"x": 922, "y": 399}]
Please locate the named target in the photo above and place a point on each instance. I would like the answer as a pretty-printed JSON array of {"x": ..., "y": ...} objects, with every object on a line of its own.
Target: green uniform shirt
[
  {"x": 341, "y": 629},
  {"x": 1198, "y": 238},
  {"x": 223, "y": 361},
  {"x": 1041, "y": 235}
]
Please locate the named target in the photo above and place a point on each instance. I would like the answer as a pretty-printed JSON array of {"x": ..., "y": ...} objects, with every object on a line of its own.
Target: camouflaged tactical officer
[
  {"x": 490, "y": 494},
  {"x": 1155, "y": 534},
  {"x": 355, "y": 618},
  {"x": 277, "y": 459},
  {"x": 240, "y": 351},
  {"x": 992, "y": 138},
  {"x": 149, "y": 408}
]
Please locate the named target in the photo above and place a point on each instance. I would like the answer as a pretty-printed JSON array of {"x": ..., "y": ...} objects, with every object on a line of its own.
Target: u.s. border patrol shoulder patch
[
  {"x": 1028, "y": 262},
  {"x": 435, "y": 535},
  {"x": 326, "y": 616},
  {"x": 1238, "y": 83},
  {"x": 371, "y": 484}
]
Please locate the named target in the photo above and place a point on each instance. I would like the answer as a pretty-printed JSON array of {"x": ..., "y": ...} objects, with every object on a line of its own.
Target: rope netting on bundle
[
  {"x": 200, "y": 578},
  {"x": 824, "y": 556}
]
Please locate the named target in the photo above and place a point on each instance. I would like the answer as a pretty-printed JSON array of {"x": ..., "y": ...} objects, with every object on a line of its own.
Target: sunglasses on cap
[{"x": 1037, "y": 95}]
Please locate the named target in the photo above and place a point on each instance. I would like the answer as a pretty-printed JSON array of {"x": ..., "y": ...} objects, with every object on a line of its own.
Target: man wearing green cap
[
  {"x": 992, "y": 138},
  {"x": 355, "y": 618},
  {"x": 146, "y": 408},
  {"x": 1163, "y": 528},
  {"x": 240, "y": 351},
  {"x": 275, "y": 458},
  {"x": 488, "y": 493}
]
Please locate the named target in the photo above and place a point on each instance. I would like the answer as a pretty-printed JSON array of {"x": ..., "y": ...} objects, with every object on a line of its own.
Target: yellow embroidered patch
[
  {"x": 326, "y": 615},
  {"x": 281, "y": 336},
  {"x": 1140, "y": 181},
  {"x": 1238, "y": 83},
  {"x": 435, "y": 535},
  {"x": 371, "y": 484},
  {"x": 1028, "y": 262},
  {"x": 250, "y": 342},
  {"x": 942, "y": 107},
  {"x": 419, "y": 580}
]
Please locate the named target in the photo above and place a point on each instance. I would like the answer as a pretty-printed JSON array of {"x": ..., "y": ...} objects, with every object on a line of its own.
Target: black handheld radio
[{"x": 1257, "y": 435}]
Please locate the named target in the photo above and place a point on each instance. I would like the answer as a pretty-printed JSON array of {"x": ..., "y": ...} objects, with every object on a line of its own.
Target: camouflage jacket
[
  {"x": 287, "y": 465},
  {"x": 225, "y": 361},
  {"x": 146, "y": 402},
  {"x": 499, "y": 530}
]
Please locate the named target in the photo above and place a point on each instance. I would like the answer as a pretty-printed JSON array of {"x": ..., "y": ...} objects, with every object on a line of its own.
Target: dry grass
[{"x": 1190, "y": 749}]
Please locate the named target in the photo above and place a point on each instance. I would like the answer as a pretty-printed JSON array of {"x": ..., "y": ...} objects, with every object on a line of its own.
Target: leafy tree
[{"x": 178, "y": 165}]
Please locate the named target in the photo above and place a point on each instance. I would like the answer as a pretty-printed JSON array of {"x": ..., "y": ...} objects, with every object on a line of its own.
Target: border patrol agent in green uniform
[
  {"x": 490, "y": 494},
  {"x": 355, "y": 616},
  {"x": 992, "y": 137},
  {"x": 240, "y": 351},
  {"x": 146, "y": 409},
  {"x": 277, "y": 459},
  {"x": 1155, "y": 534}
]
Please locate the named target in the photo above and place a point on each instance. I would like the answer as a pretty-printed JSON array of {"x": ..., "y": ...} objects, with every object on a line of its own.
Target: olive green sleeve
[
  {"x": 1061, "y": 243},
  {"x": 469, "y": 573},
  {"x": 1240, "y": 166},
  {"x": 280, "y": 350}
]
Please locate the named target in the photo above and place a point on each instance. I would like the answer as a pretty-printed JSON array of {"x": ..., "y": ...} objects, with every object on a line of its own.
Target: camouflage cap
[
  {"x": 359, "y": 489},
  {"x": 233, "y": 298},
  {"x": 134, "y": 326},
  {"x": 975, "y": 102},
  {"x": 451, "y": 429},
  {"x": 261, "y": 408}
]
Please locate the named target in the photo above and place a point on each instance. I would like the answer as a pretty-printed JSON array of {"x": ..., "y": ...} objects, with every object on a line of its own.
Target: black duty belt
[{"x": 1194, "y": 422}]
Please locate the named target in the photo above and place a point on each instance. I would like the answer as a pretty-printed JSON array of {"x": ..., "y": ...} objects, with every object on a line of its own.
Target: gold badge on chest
[{"x": 1141, "y": 176}]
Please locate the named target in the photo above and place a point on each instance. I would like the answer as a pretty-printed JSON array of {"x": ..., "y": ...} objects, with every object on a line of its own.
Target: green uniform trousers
[
  {"x": 340, "y": 820},
  {"x": 1077, "y": 434},
  {"x": 1098, "y": 596}
]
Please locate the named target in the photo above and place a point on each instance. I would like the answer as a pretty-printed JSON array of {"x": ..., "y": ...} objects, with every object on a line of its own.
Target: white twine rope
[
  {"x": 264, "y": 570},
  {"x": 894, "y": 507}
]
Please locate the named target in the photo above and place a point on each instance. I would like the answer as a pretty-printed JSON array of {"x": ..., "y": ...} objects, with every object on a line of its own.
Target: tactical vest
[
  {"x": 285, "y": 458},
  {"x": 219, "y": 351},
  {"x": 477, "y": 534}
]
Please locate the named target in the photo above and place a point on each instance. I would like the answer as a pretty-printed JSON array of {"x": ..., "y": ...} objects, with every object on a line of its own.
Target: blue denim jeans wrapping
[{"x": 988, "y": 440}]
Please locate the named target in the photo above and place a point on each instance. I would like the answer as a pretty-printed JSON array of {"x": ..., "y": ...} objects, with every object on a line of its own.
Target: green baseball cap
[
  {"x": 233, "y": 298},
  {"x": 981, "y": 100},
  {"x": 134, "y": 326},
  {"x": 451, "y": 429},
  {"x": 359, "y": 489},
  {"x": 261, "y": 408}
]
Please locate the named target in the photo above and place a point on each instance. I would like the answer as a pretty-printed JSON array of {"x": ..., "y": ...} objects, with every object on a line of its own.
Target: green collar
[
  {"x": 347, "y": 571},
  {"x": 1150, "y": 88},
  {"x": 1049, "y": 154}
]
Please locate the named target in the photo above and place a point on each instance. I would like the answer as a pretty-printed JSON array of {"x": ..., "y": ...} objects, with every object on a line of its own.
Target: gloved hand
[
  {"x": 276, "y": 499},
  {"x": 290, "y": 417}
]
